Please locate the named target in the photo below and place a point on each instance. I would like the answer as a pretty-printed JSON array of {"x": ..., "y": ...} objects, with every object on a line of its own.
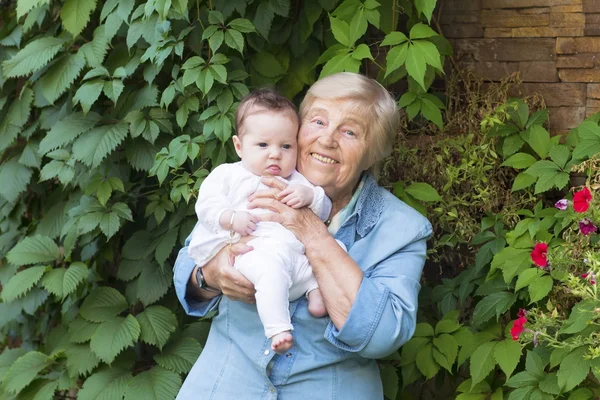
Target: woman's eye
[
  {"x": 262, "y": 144},
  {"x": 349, "y": 133},
  {"x": 287, "y": 146},
  {"x": 319, "y": 122}
]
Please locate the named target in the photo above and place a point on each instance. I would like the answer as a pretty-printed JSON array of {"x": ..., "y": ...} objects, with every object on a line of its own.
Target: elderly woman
[{"x": 348, "y": 124}]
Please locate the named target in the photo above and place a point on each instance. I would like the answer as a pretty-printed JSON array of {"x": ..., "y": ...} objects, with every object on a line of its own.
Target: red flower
[
  {"x": 581, "y": 200},
  {"x": 538, "y": 255},
  {"x": 522, "y": 312},
  {"x": 518, "y": 327}
]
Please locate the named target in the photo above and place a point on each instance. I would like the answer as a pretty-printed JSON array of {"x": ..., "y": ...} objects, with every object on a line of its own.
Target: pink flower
[
  {"x": 589, "y": 276},
  {"x": 562, "y": 204},
  {"x": 538, "y": 255},
  {"x": 586, "y": 226},
  {"x": 518, "y": 327},
  {"x": 581, "y": 200},
  {"x": 522, "y": 312}
]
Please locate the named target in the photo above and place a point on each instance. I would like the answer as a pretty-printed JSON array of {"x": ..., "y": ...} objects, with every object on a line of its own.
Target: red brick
[
  {"x": 538, "y": 71},
  {"x": 567, "y": 19},
  {"x": 579, "y": 75},
  {"x": 497, "y": 32},
  {"x": 460, "y": 31},
  {"x": 591, "y": 6},
  {"x": 576, "y": 61},
  {"x": 587, "y": 44},
  {"x": 494, "y": 71},
  {"x": 544, "y": 31},
  {"x": 566, "y": 46},
  {"x": 593, "y": 90},
  {"x": 554, "y": 94},
  {"x": 565, "y": 118},
  {"x": 512, "y": 19},
  {"x": 527, "y": 3},
  {"x": 517, "y": 49}
]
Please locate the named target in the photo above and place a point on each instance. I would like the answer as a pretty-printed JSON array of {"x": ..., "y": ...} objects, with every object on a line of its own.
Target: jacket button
[{"x": 266, "y": 353}]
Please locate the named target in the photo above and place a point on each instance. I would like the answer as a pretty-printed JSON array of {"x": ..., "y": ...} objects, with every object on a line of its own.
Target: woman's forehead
[{"x": 346, "y": 110}]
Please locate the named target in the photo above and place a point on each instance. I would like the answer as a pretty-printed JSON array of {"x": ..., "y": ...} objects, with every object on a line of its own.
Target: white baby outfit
[{"x": 277, "y": 266}]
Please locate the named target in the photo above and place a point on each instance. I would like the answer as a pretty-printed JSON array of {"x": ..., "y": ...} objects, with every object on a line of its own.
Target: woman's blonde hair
[{"x": 369, "y": 99}]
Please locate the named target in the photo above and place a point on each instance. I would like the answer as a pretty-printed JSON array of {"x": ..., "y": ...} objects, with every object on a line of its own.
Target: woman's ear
[{"x": 237, "y": 143}]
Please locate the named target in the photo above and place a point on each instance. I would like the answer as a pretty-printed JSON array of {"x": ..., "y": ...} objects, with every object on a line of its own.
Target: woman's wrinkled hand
[
  {"x": 302, "y": 222},
  {"x": 220, "y": 274}
]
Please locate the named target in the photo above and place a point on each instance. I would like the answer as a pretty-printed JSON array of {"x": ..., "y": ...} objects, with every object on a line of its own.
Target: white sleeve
[
  {"x": 212, "y": 197},
  {"x": 321, "y": 205}
]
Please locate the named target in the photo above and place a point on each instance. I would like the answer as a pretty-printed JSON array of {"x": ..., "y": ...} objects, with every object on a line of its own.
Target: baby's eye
[
  {"x": 262, "y": 144},
  {"x": 287, "y": 146}
]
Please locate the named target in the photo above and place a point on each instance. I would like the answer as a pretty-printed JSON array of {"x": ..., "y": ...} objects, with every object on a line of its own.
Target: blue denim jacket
[{"x": 387, "y": 239}]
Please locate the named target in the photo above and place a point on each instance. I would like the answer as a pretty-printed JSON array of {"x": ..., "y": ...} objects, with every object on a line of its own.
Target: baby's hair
[{"x": 262, "y": 100}]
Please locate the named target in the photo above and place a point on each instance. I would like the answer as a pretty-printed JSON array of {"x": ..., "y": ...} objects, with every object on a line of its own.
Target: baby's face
[{"x": 268, "y": 144}]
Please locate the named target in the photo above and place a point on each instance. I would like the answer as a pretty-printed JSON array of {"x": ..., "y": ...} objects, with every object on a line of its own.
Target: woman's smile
[{"x": 324, "y": 159}]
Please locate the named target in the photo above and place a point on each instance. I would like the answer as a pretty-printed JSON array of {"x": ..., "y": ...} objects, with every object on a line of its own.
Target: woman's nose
[{"x": 327, "y": 138}]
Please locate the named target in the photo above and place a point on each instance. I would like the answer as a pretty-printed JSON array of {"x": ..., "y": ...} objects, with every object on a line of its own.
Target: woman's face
[{"x": 332, "y": 146}]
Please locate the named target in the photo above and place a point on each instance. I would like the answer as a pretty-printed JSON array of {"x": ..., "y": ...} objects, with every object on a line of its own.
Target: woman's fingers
[
  {"x": 269, "y": 204},
  {"x": 273, "y": 182},
  {"x": 267, "y": 193}
]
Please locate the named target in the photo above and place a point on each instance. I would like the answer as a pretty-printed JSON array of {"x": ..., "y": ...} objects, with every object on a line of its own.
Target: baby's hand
[
  {"x": 297, "y": 196},
  {"x": 244, "y": 223}
]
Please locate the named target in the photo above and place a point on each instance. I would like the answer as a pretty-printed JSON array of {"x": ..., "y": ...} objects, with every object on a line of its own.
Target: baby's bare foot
[
  {"x": 316, "y": 305},
  {"x": 282, "y": 342}
]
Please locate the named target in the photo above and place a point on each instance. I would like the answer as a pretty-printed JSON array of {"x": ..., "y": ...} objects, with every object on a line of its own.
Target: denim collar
[{"x": 368, "y": 207}]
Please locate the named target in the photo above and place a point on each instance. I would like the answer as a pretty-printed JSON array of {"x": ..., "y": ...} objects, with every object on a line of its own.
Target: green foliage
[{"x": 111, "y": 115}]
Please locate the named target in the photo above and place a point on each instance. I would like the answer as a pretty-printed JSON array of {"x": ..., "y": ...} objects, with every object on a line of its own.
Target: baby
[{"x": 267, "y": 126}]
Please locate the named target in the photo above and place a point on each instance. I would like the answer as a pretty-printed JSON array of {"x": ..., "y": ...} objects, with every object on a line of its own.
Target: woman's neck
[{"x": 341, "y": 198}]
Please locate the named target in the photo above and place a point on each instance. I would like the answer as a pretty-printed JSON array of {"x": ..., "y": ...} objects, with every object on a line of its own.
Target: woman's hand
[
  {"x": 302, "y": 222},
  {"x": 220, "y": 274}
]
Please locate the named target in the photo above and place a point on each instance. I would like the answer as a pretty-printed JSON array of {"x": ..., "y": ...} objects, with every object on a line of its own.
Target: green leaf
[
  {"x": 81, "y": 360},
  {"x": 242, "y": 25},
  {"x": 32, "y": 57},
  {"x": 482, "y": 362},
  {"x": 93, "y": 146},
  {"x": 431, "y": 112},
  {"x": 423, "y": 329},
  {"x": 448, "y": 346},
  {"x": 110, "y": 224},
  {"x": 63, "y": 281},
  {"x": 15, "y": 178},
  {"x": 507, "y": 354},
  {"x": 32, "y": 250},
  {"x": 21, "y": 283},
  {"x": 573, "y": 369},
  {"x": 426, "y": 8},
  {"x": 389, "y": 379},
  {"x": 113, "y": 336},
  {"x": 88, "y": 93},
  {"x": 157, "y": 323},
  {"x": 426, "y": 363},
  {"x": 25, "y": 6},
  {"x": 75, "y": 14},
  {"x": 581, "y": 394},
  {"x": 519, "y": 161},
  {"x": 421, "y": 31},
  {"x": 153, "y": 283},
  {"x": 495, "y": 303},
  {"x": 67, "y": 130},
  {"x": 113, "y": 89},
  {"x": 361, "y": 52},
  {"x": 560, "y": 155},
  {"x": 234, "y": 40},
  {"x": 155, "y": 384},
  {"x": 61, "y": 76},
  {"x": 430, "y": 53},
  {"x": 423, "y": 191},
  {"x": 416, "y": 66},
  {"x": 341, "y": 31},
  {"x": 263, "y": 18},
  {"x": 106, "y": 384},
  {"x": 522, "y": 181},
  {"x": 537, "y": 118},
  {"x": 267, "y": 65},
  {"x": 394, "y": 38},
  {"x": 522, "y": 379},
  {"x": 447, "y": 326},
  {"x": 589, "y": 140},
  {"x": 528, "y": 276},
  {"x": 81, "y": 331},
  {"x": 24, "y": 370},
  {"x": 103, "y": 304},
  {"x": 179, "y": 356},
  {"x": 358, "y": 26},
  {"x": 540, "y": 288},
  {"x": 539, "y": 140}
]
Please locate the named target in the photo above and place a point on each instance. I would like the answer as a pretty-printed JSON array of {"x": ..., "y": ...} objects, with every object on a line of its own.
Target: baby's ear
[{"x": 237, "y": 143}]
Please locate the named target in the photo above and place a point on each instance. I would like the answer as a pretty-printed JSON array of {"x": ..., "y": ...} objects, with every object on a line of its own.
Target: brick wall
[{"x": 553, "y": 44}]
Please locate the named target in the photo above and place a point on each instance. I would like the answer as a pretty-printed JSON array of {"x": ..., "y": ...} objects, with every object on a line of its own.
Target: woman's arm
[{"x": 218, "y": 273}]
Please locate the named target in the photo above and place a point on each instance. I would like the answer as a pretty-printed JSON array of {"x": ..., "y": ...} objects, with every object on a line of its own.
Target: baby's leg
[
  {"x": 316, "y": 305},
  {"x": 270, "y": 275}
]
